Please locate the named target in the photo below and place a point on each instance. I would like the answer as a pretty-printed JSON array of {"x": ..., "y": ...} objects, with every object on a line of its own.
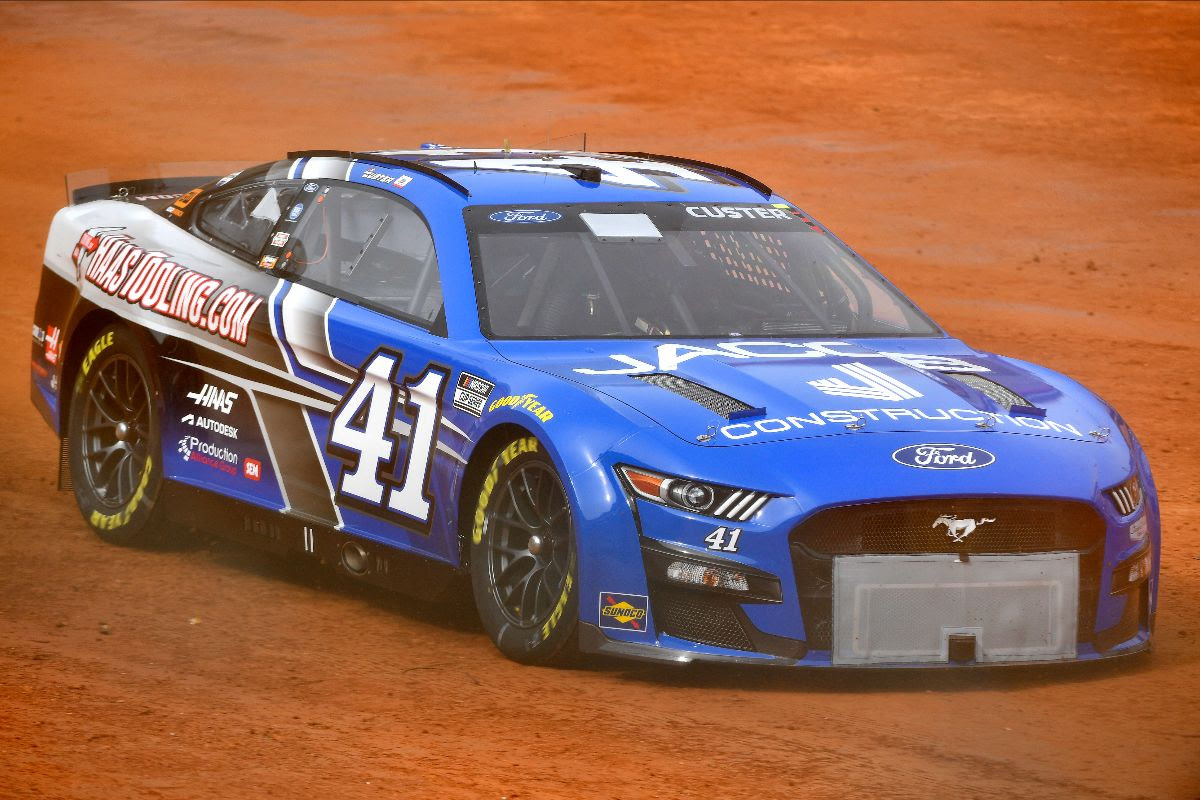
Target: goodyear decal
[
  {"x": 527, "y": 402},
  {"x": 98, "y": 347},
  {"x": 109, "y": 522},
  {"x": 623, "y": 611},
  {"x": 514, "y": 449}
]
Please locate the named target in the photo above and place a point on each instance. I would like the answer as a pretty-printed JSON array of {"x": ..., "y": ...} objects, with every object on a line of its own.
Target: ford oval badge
[
  {"x": 943, "y": 456},
  {"x": 525, "y": 215}
]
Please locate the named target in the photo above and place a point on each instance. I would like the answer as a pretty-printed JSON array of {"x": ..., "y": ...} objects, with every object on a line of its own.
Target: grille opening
[
  {"x": 1003, "y": 396},
  {"x": 698, "y": 617},
  {"x": 905, "y": 528},
  {"x": 711, "y": 399}
]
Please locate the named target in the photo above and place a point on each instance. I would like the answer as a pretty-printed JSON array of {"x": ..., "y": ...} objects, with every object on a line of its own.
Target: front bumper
[
  {"x": 795, "y": 625},
  {"x": 593, "y": 640},
  {"x": 1055, "y": 502}
]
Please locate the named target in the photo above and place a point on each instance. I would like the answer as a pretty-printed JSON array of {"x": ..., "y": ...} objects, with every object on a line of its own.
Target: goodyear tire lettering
[
  {"x": 556, "y": 615},
  {"x": 98, "y": 347},
  {"x": 514, "y": 449},
  {"x": 110, "y": 522}
]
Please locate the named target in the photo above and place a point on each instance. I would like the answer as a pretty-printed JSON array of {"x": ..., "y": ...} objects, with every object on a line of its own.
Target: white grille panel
[{"x": 901, "y": 609}]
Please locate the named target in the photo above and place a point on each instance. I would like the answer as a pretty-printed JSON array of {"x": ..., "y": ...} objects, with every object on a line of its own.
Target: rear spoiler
[
  {"x": 142, "y": 190},
  {"x": 147, "y": 184}
]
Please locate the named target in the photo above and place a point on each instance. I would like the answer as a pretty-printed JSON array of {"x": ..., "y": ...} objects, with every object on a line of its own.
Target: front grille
[
  {"x": 711, "y": 399},
  {"x": 1006, "y": 398},
  {"x": 1016, "y": 525},
  {"x": 698, "y": 617}
]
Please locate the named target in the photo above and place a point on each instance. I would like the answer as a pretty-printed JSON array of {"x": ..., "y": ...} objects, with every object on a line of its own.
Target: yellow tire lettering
[
  {"x": 98, "y": 347},
  {"x": 108, "y": 522},
  {"x": 559, "y": 606},
  {"x": 485, "y": 495}
]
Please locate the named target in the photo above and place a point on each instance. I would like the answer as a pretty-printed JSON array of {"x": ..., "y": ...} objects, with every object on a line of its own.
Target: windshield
[{"x": 649, "y": 270}]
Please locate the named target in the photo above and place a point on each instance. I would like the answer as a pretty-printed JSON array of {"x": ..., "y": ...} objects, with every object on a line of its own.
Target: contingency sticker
[
  {"x": 623, "y": 611},
  {"x": 471, "y": 393}
]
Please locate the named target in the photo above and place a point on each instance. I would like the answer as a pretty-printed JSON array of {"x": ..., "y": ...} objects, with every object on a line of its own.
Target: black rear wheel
[
  {"x": 523, "y": 557},
  {"x": 113, "y": 426}
]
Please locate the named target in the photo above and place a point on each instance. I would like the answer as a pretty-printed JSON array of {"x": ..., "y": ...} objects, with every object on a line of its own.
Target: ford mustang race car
[{"x": 644, "y": 405}]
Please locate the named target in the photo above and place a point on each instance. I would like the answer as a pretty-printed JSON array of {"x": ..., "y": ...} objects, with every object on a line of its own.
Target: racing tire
[
  {"x": 523, "y": 562},
  {"x": 115, "y": 443}
]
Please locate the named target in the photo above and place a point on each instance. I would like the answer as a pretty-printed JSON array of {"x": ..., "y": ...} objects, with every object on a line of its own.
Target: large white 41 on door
[{"x": 377, "y": 476}]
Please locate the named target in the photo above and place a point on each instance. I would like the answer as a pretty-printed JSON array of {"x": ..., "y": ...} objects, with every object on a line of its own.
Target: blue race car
[{"x": 646, "y": 406}]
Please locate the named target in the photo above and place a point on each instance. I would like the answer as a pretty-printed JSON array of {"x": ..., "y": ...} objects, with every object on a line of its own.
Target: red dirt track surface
[{"x": 1029, "y": 174}]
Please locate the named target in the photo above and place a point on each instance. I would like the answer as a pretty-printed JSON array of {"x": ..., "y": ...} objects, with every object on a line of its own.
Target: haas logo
[
  {"x": 959, "y": 529},
  {"x": 212, "y": 397}
]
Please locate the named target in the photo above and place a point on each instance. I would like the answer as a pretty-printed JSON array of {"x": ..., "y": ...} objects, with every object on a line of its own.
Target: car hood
[{"x": 715, "y": 392}]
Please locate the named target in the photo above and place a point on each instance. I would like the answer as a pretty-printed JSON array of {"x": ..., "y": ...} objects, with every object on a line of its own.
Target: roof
[{"x": 497, "y": 176}]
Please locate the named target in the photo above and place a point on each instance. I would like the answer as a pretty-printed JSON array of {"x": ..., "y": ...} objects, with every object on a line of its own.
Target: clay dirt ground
[{"x": 1028, "y": 173}]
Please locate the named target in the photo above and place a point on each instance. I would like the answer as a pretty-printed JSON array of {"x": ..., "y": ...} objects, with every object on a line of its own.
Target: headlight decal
[
  {"x": 712, "y": 500},
  {"x": 1127, "y": 496}
]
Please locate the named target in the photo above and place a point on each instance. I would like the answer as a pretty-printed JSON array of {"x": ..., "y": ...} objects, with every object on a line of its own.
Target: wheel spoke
[
  {"x": 108, "y": 473},
  {"x": 129, "y": 385},
  {"x": 512, "y": 493},
  {"x": 515, "y": 569},
  {"x": 130, "y": 479},
  {"x": 104, "y": 412},
  {"x": 556, "y": 516},
  {"x": 102, "y": 453},
  {"x": 549, "y": 586},
  {"x": 533, "y": 503},
  {"x": 124, "y": 485},
  {"x": 517, "y": 590},
  {"x": 510, "y": 521},
  {"x": 109, "y": 388},
  {"x": 540, "y": 602},
  {"x": 142, "y": 403},
  {"x": 512, "y": 552},
  {"x": 544, "y": 499},
  {"x": 529, "y": 595}
]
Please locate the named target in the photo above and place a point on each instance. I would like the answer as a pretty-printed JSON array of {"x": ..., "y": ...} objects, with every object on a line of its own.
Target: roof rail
[
  {"x": 754, "y": 183},
  {"x": 415, "y": 166}
]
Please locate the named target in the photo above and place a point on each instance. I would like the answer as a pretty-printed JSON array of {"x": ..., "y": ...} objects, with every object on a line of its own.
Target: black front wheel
[
  {"x": 523, "y": 557},
  {"x": 114, "y": 438}
]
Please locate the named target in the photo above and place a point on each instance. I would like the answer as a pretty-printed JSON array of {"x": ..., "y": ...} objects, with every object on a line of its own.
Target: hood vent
[
  {"x": 711, "y": 399},
  {"x": 1004, "y": 397}
]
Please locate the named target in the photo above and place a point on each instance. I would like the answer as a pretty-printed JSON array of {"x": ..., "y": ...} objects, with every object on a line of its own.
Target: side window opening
[
  {"x": 244, "y": 218},
  {"x": 370, "y": 246}
]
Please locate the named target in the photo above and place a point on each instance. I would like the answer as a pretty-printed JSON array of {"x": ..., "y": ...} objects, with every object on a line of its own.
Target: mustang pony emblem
[{"x": 959, "y": 529}]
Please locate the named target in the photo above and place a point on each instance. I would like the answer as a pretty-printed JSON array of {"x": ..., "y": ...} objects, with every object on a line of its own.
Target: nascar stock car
[{"x": 644, "y": 405}]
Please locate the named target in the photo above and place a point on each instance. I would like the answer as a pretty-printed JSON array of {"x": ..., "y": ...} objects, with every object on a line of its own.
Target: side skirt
[{"x": 285, "y": 535}]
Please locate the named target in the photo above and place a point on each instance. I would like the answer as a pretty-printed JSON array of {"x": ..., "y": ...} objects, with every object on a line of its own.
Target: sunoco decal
[
  {"x": 943, "y": 456},
  {"x": 623, "y": 611},
  {"x": 152, "y": 279}
]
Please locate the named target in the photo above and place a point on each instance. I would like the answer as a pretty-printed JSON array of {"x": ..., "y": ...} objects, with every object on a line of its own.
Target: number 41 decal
[
  {"x": 716, "y": 539},
  {"x": 362, "y": 434}
]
